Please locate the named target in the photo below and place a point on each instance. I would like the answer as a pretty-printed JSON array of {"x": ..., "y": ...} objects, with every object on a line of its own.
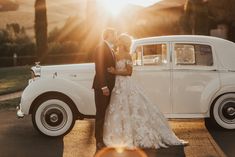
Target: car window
[
  {"x": 155, "y": 54},
  {"x": 193, "y": 54}
]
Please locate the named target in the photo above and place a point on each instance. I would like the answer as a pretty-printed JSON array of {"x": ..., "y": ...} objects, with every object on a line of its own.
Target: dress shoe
[{"x": 100, "y": 145}]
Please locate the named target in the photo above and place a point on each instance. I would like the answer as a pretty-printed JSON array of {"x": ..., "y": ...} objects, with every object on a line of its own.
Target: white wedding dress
[{"x": 132, "y": 120}]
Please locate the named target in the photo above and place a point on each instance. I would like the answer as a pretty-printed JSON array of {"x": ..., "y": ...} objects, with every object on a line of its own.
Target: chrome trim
[
  {"x": 36, "y": 70},
  {"x": 30, "y": 80},
  {"x": 196, "y": 70},
  {"x": 37, "y": 64},
  {"x": 227, "y": 111},
  {"x": 51, "y": 120},
  {"x": 19, "y": 112},
  {"x": 231, "y": 111}
]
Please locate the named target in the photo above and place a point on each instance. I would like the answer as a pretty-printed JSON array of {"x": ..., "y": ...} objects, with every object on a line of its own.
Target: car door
[
  {"x": 194, "y": 76},
  {"x": 152, "y": 73}
]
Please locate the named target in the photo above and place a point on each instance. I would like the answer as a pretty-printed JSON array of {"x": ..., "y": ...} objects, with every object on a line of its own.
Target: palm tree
[{"x": 41, "y": 28}]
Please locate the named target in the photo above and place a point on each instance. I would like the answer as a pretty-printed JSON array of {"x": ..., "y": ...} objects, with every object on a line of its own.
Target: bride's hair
[{"x": 125, "y": 40}]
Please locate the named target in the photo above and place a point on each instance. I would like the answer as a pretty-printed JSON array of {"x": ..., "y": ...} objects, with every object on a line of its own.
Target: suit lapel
[{"x": 111, "y": 51}]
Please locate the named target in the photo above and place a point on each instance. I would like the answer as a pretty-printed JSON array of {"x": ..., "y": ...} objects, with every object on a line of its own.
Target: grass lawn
[
  {"x": 14, "y": 79},
  {"x": 12, "y": 103}
]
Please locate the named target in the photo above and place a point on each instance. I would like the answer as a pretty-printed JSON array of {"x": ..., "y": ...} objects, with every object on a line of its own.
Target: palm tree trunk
[{"x": 41, "y": 28}]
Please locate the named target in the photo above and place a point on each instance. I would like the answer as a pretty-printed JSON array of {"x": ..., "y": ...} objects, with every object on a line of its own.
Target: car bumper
[{"x": 19, "y": 112}]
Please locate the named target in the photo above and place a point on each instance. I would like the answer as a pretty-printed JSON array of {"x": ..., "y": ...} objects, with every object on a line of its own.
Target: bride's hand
[{"x": 111, "y": 70}]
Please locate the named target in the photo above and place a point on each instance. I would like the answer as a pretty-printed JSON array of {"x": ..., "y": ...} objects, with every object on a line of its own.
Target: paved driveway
[{"x": 18, "y": 138}]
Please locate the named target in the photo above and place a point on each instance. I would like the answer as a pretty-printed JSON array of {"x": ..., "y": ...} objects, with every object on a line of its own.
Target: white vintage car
[{"x": 186, "y": 76}]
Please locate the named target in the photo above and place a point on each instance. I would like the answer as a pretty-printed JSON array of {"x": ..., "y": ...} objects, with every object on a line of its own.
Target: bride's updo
[{"x": 125, "y": 40}]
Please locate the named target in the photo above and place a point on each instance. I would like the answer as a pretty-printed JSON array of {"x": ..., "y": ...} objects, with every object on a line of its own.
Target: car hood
[{"x": 66, "y": 69}]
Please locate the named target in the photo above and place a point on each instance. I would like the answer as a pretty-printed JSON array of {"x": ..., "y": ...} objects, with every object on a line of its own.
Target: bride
[{"x": 131, "y": 120}]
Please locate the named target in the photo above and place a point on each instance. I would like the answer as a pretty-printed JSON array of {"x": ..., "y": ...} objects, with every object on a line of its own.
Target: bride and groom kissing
[{"x": 125, "y": 117}]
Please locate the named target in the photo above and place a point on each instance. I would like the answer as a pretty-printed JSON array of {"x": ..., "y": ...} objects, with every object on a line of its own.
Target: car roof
[
  {"x": 223, "y": 49},
  {"x": 181, "y": 38}
]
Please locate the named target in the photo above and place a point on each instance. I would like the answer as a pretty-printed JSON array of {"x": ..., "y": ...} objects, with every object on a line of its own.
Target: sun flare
[
  {"x": 113, "y": 7},
  {"x": 119, "y": 150}
]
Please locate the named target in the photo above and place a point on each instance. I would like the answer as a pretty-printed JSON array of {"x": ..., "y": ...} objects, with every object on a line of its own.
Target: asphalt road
[
  {"x": 18, "y": 138},
  {"x": 224, "y": 138}
]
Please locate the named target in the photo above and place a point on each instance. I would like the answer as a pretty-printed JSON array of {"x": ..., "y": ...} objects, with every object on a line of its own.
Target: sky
[{"x": 115, "y": 6}]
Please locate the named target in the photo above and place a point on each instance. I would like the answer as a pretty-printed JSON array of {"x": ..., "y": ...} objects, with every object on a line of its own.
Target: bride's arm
[{"x": 126, "y": 72}]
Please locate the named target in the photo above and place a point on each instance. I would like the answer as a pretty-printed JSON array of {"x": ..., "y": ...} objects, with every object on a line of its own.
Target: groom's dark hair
[{"x": 107, "y": 32}]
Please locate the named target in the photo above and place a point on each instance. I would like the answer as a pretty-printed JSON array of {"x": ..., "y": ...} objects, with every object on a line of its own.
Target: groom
[{"x": 103, "y": 81}]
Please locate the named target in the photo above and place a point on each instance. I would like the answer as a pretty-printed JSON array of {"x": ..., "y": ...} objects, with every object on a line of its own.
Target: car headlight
[
  {"x": 36, "y": 71},
  {"x": 32, "y": 74}
]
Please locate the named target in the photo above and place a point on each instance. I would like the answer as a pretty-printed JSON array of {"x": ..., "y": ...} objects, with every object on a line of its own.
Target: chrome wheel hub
[
  {"x": 227, "y": 111},
  {"x": 231, "y": 111},
  {"x": 54, "y": 117}
]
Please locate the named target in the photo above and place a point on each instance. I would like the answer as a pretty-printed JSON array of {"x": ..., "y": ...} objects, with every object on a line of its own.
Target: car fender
[
  {"x": 80, "y": 95},
  {"x": 208, "y": 95},
  {"x": 227, "y": 85},
  {"x": 223, "y": 90}
]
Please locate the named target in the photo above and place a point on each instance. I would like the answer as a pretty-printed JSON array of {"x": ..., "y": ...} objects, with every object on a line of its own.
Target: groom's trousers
[{"x": 101, "y": 103}]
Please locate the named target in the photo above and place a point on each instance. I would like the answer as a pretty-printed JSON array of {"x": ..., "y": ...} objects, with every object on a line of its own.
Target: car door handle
[{"x": 73, "y": 75}]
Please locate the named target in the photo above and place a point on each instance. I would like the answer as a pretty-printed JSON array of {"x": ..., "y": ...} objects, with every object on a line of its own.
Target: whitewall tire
[
  {"x": 223, "y": 111},
  {"x": 53, "y": 117}
]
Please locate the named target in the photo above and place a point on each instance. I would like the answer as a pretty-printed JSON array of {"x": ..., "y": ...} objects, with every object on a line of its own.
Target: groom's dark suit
[{"x": 104, "y": 58}]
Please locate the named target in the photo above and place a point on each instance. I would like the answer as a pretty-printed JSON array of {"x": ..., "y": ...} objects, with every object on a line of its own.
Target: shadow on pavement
[
  {"x": 173, "y": 151},
  {"x": 224, "y": 138},
  {"x": 18, "y": 138}
]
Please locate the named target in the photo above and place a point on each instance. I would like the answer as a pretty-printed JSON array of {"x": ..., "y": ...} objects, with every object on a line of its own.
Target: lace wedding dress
[{"x": 132, "y": 120}]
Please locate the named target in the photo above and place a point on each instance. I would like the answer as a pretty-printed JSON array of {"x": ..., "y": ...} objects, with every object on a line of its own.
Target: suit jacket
[{"x": 104, "y": 58}]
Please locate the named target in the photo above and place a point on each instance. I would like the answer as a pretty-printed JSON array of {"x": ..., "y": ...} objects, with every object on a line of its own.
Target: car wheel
[
  {"x": 223, "y": 112},
  {"x": 53, "y": 116}
]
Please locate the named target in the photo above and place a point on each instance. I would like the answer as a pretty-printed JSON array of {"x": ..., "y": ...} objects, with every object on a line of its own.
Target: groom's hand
[{"x": 105, "y": 91}]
